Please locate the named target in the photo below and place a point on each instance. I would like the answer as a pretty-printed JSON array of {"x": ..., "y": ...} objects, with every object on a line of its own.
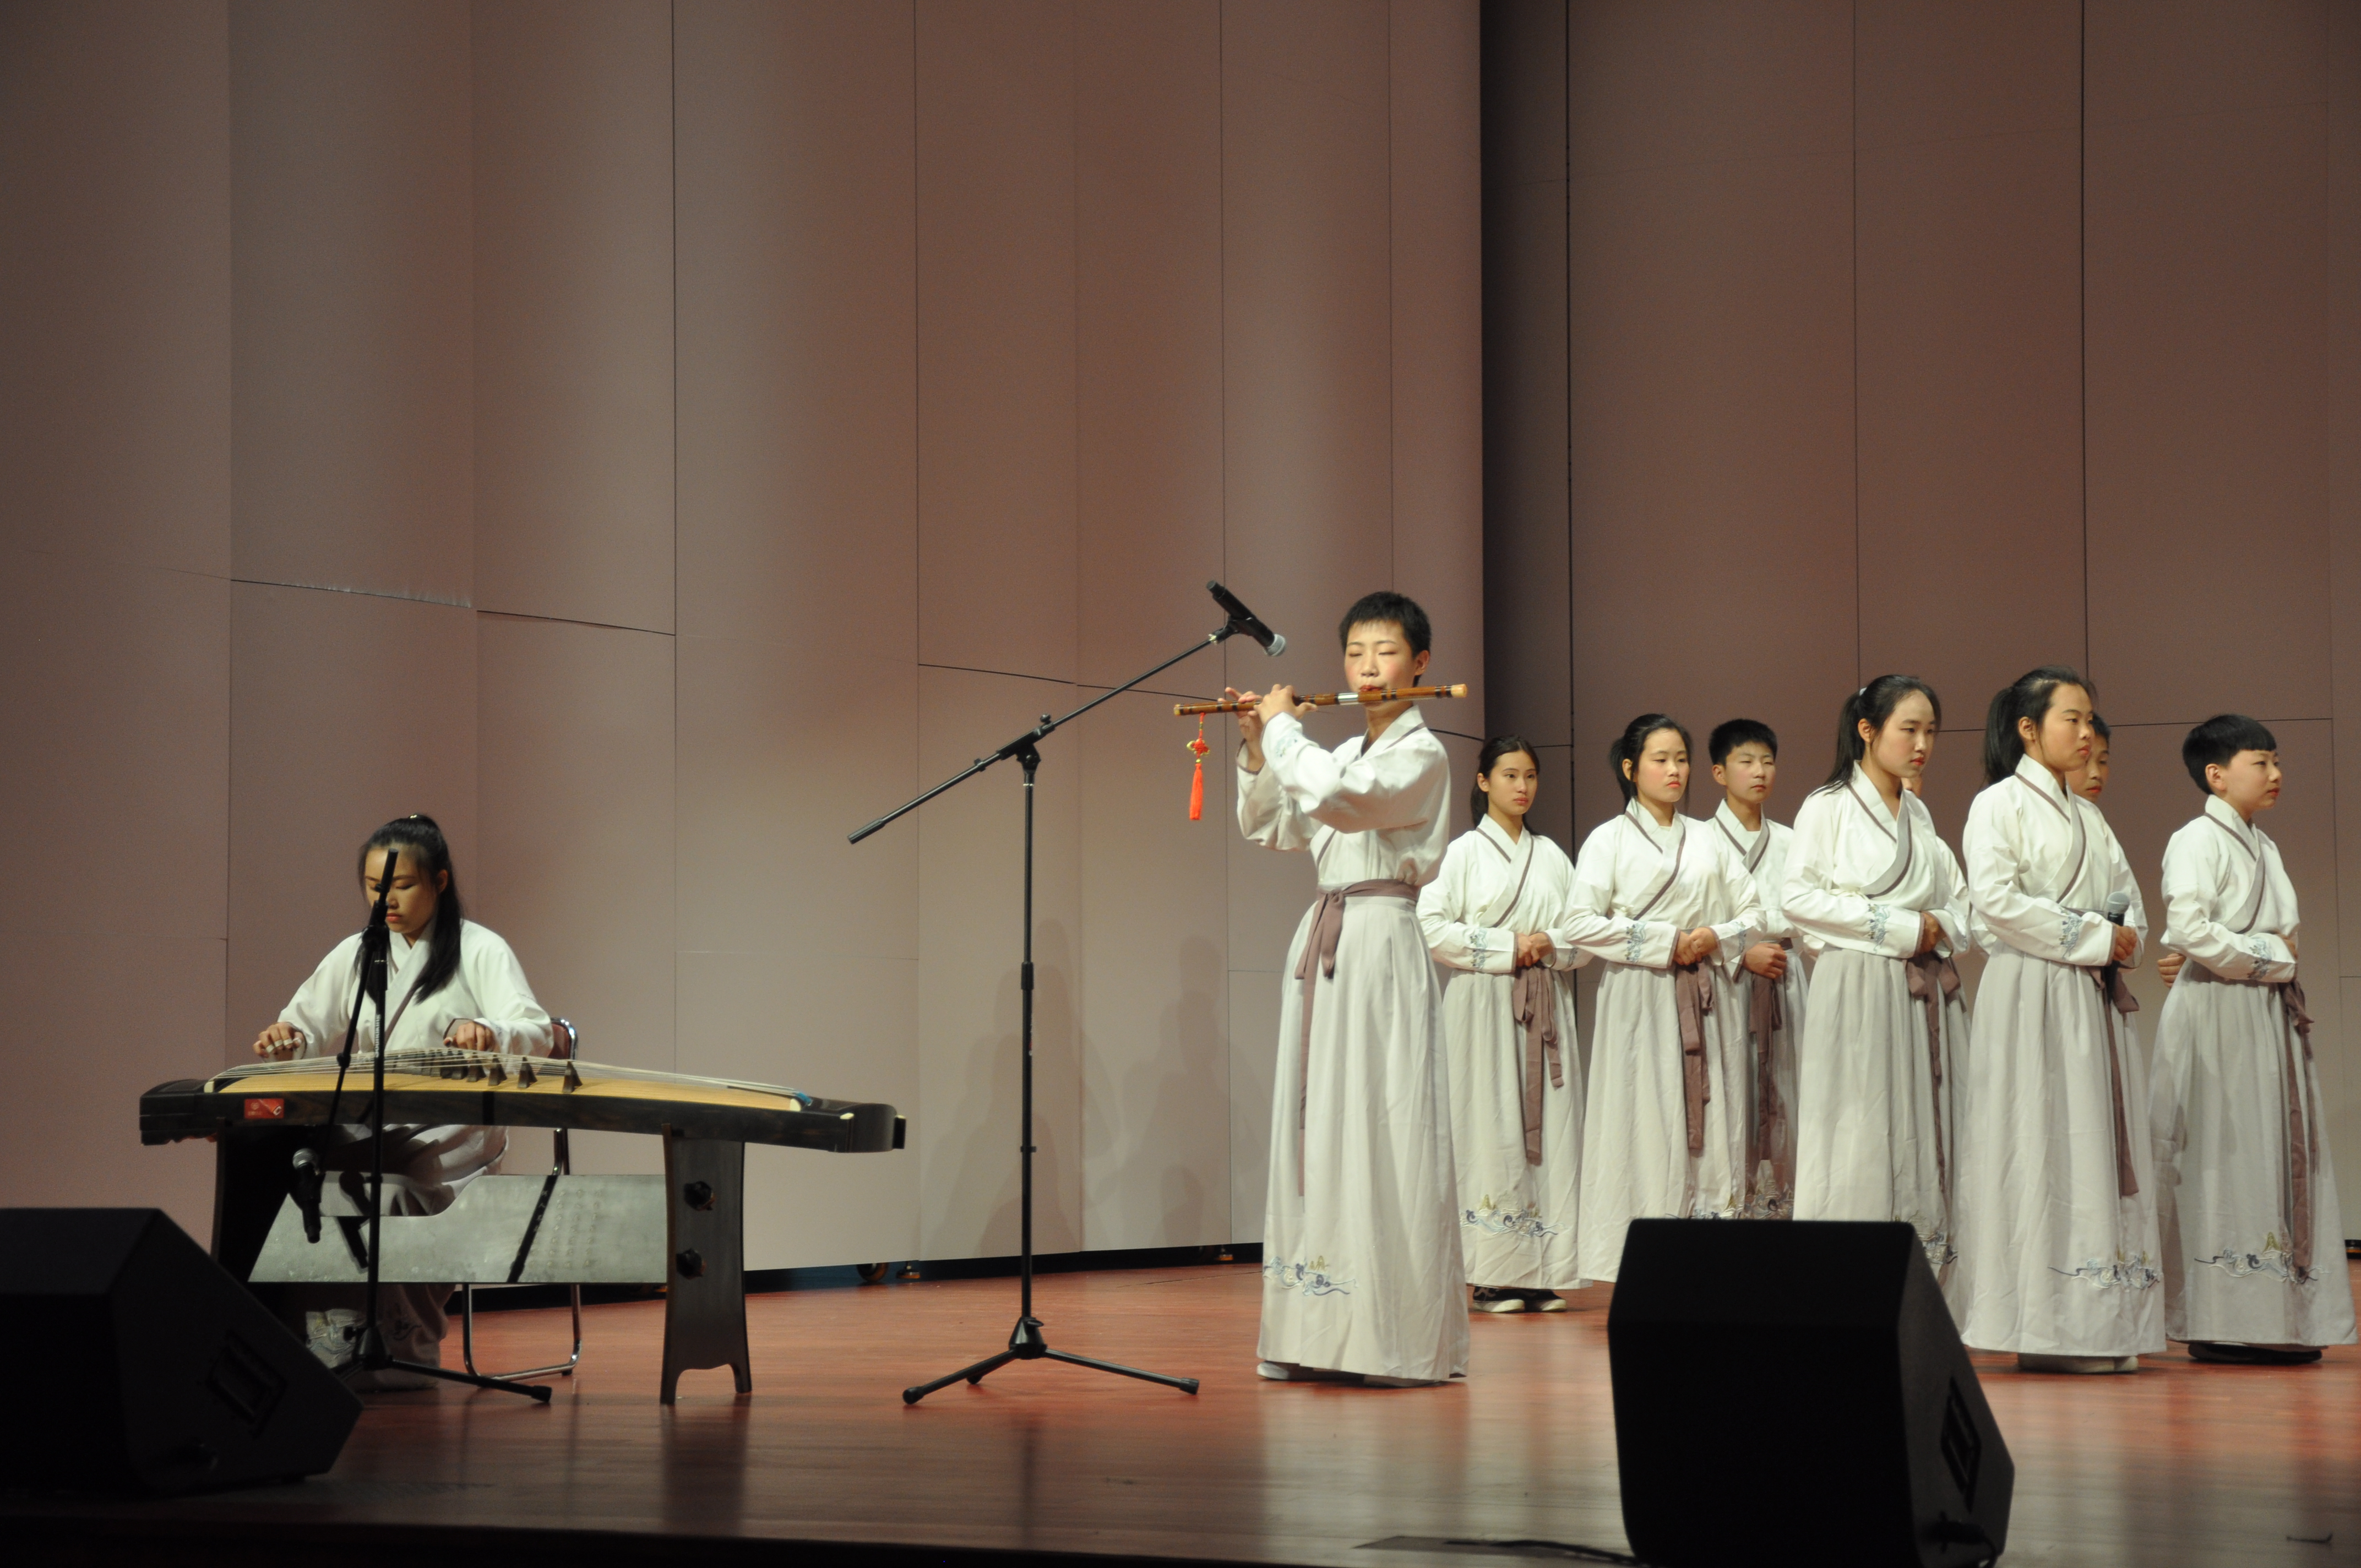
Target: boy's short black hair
[
  {"x": 2218, "y": 740},
  {"x": 1397, "y": 609},
  {"x": 2099, "y": 728},
  {"x": 1731, "y": 733}
]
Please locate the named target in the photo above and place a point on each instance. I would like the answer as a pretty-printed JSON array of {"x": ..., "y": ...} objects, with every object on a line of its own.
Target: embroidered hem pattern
[
  {"x": 1312, "y": 1278},
  {"x": 2123, "y": 1274}
]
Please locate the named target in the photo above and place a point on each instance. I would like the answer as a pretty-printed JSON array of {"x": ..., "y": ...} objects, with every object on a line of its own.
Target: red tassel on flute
[{"x": 1197, "y": 785}]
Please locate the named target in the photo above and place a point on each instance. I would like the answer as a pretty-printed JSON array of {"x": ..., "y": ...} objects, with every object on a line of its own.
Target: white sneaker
[
  {"x": 1498, "y": 1299},
  {"x": 334, "y": 1335},
  {"x": 1546, "y": 1302}
]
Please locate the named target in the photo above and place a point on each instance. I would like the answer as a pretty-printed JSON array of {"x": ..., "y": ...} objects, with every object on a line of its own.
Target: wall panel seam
[{"x": 364, "y": 593}]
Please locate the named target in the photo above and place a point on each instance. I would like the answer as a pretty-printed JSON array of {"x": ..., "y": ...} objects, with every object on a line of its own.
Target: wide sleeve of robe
[
  {"x": 1443, "y": 906},
  {"x": 1591, "y": 925},
  {"x": 510, "y": 1011},
  {"x": 2001, "y": 867},
  {"x": 2201, "y": 864},
  {"x": 1733, "y": 889},
  {"x": 321, "y": 1006},
  {"x": 1813, "y": 901}
]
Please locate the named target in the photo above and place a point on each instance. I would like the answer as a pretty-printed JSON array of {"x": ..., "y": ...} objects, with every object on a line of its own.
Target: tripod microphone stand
[
  {"x": 374, "y": 1354},
  {"x": 1026, "y": 1342}
]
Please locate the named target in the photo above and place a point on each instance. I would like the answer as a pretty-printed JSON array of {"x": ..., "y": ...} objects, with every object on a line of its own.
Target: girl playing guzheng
[{"x": 450, "y": 982}]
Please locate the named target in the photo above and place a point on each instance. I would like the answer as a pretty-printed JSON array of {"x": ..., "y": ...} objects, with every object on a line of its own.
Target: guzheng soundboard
[{"x": 259, "y": 1115}]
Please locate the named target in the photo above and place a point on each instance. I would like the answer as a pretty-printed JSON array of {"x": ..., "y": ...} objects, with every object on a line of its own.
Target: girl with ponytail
[
  {"x": 1878, "y": 893},
  {"x": 451, "y": 985},
  {"x": 1508, "y": 1034},
  {"x": 2059, "y": 1253},
  {"x": 1666, "y": 901}
]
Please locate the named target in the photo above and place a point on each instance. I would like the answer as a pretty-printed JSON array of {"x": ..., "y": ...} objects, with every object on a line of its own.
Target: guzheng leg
[{"x": 705, "y": 1227}]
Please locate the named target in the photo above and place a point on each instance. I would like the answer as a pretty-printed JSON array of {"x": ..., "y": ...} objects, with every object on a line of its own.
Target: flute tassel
[{"x": 1197, "y": 785}]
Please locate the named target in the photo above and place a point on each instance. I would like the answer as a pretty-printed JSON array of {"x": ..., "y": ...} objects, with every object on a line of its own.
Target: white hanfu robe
[
  {"x": 1878, "y": 1137},
  {"x": 1361, "y": 1265},
  {"x": 1773, "y": 1012},
  {"x": 1509, "y": 1037},
  {"x": 425, "y": 1167},
  {"x": 2056, "y": 1193},
  {"x": 1636, "y": 887},
  {"x": 2252, "y": 1255}
]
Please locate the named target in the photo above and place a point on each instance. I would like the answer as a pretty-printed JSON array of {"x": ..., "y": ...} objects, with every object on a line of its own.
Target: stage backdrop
[
  {"x": 657, "y": 438},
  {"x": 1824, "y": 340}
]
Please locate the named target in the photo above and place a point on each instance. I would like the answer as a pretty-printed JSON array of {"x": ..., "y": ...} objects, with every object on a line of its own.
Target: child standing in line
[
  {"x": 2253, "y": 1266},
  {"x": 1507, "y": 1030},
  {"x": 2090, "y": 780},
  {"x": 1769, "y": 994}
]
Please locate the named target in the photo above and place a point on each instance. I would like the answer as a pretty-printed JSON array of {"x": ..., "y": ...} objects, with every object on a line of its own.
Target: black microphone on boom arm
[{"x": 1243, "y": 619}]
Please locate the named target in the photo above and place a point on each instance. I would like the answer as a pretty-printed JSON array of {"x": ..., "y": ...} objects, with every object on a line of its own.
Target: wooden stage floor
[{"x": 2181, "y": 1465}]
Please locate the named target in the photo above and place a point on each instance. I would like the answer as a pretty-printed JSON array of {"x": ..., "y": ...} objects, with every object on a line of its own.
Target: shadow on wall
[{"x": 1174, "y": 1087}]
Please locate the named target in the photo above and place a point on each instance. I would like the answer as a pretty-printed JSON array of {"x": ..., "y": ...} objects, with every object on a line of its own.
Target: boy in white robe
[
  {"x": 1665, "y": 1131},
  {"x": 2090, "y": 780},
  {"x": 2254, "y": 1265},
  {"x": 1508, "y": 1034},
  {"x": 2059, "y": 1257},
  {"x": 1769, "y": 993},
  {"x": 474, "y": 998},
  {"x": 1361, "y": 1264}
]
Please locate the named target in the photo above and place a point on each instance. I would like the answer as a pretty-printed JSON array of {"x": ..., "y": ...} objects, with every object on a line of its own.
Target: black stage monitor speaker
[
  {"x": 1796, "y": 1393},
  {"x": 138, "y": 1363}
]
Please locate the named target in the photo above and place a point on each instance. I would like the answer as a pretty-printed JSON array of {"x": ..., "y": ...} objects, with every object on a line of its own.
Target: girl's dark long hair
[
  {"x": 1876, "y": 703},
  {"x": 1498, "y": 747},
  {"x": 420, "y": 842},
  {"x": 2028, "y": 696},
  {"x": 1634, "y": 738}
]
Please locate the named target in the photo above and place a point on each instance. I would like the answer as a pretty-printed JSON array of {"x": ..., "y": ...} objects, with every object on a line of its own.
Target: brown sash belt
[
  {"x": 2116, "y": 997},
  {"x": 1766, "y": 1014},
  {"x": 1693, "y": 999},
  {"x": 1533, "y": 1002},
  {"x": 1319, "y": 959},
  {"x": 2303, "y": 1133},
  {"x": 1933, "y": 980}
]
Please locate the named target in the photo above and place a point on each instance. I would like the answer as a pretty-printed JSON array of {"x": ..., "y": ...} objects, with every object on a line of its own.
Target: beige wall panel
[
  {"x": 1712, "y": 453},
  {"x": 95, "y": 1019},
  {"x": 346, "y": 710},
  {"x": 830, "y": 1026},
  {"x": 1154, "y": 945},
  {"x": 114, "y": 282},
  {"x": 116, "y": 773},
  {"x": 1437, "y": 328},
  {"x": 1970, "y": 425},
  {"x": 1656, "y": 86},
  {"x": 1147, "y": 304},
  {"x": 1933, "y": 70},
  {"x": 2207, "y": 419},
  {"x": 797, "y": 341},
  {"x": 2148, "y": 60},
  {"x": 796, "y": 705},
  {"x": 574, "y": 310},
  {"x": 997, "y": 328},
  {"x": 970, "y": 891},
  {"x": 352, "y": 256},
  {"x": 1306, "y": 324},
  {"x": 2344, "y": 461},
  {"x": 575, "y": 809},
  {"x": 1254, "y": 1057}
]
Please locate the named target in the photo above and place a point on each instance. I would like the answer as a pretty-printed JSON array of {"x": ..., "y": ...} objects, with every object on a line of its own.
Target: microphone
[
  {"x": 305, "y": 1188},
  {"x": 1243, "y": 619},
  {"x": 2117, "y": 902}
]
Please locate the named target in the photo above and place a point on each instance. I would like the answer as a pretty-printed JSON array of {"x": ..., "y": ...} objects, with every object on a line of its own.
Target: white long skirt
[
  {"x": 2052, "y": 1260},
  {"x": 1361, "y": 1268},
  {"x": 1767, "y": 1197},
  {"x": 1635, "y": 1153},
  {"x": 2218, "y": 1104},
  {"x": 1877, "y": 1137},
  {"x": 1517, "y": 1221}
]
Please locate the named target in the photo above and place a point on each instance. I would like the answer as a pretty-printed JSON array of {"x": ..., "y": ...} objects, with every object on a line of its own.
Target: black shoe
[
  {"x": 2229, "y": 1354},
  {"x": 1495, "y": 1298}
]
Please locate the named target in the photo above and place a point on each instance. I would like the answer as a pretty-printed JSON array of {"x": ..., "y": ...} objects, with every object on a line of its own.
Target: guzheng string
[{"x": 435, "y": 1057}]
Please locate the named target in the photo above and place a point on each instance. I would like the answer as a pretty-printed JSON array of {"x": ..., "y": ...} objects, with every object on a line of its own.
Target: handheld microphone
[
  {"x": 2118, "y": 902},
  {"x": 305, "y": 1188},
  {"x": 1243, "y": 619}
]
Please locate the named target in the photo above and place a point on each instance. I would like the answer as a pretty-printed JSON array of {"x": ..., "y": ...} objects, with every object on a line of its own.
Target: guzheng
[
  {"x": 683, "y": 1230},
  {"x": 482, "y": 1089}
]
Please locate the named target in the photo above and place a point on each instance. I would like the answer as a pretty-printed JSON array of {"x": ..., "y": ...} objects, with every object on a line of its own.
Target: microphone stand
[
  {"x": 376, "y": 1355},
  {"x": 1026, "y": 1342}
]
